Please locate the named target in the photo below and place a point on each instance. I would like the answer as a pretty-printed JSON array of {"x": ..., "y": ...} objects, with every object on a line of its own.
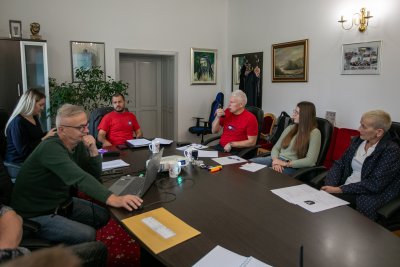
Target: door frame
[{"x": 140, "y": 52}]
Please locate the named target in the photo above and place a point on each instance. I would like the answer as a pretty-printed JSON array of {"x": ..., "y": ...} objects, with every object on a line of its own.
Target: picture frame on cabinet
[
  {"x": 203, "y": 64},
  {"x": 290, "y": 61},
  {"x": 15, "y": 29},
  {"x": 361, "y": 58},
  {"x": 87, "y": 55}
]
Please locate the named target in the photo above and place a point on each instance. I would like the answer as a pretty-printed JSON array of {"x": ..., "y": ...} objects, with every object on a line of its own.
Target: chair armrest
[
  {"x": 318, "y": 180},
  {"x": 311, "y": 175},
  {"x": 263, "y": 155},
  {"x": 31, "y": 226},
  {"x": 212, "y": 139},
  {"x": 197, "y": 120},
  {"x": 248, "y": 152},
  {"x": 387, "y": 210}
]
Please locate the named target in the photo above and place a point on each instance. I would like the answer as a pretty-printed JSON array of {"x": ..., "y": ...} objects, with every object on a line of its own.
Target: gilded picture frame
[{"x": 290, "y": 61}]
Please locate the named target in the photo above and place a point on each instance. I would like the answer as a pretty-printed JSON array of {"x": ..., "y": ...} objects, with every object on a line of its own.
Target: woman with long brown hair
[{"x": 299, "y": 145}]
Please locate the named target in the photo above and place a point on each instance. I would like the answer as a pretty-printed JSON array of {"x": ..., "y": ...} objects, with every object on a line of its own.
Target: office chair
[
  {"x": 249, "y": 152},
  {"x": 206, "y": 128},
  {"x": 94, "y": 120},
  {"x": 29, "y": 227},
  {"x": 307, "y": 174}
]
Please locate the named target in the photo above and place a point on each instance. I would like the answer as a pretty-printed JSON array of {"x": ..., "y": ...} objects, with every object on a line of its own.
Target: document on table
[
  {"x": 207, "y": 154},
  {"x": 163, "y": 141},
  {"x": 139, "y": 142},
  {"x": 252, "y": 167},
  {"x": 229, "y": 160},
  {"x": 113, "y": 164},
  {"x": 159, "y": 229},
  {"x": 309, "y": 198},
  {"x": 192, "y": 146},
  {"x": 223, "y": 257}
]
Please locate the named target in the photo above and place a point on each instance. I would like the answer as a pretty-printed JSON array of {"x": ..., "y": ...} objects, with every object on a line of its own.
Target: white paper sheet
[
  {"x": 229, "y": 160},
  {"x": 207, "y": 154},
  {"x": 112, "y": 164},
  {"x": 163, "y": 141},
  {"x": 139, "y": 142},
  {"x": 222, "y": 257},
  {"x": 252, "y": 167},
  {"x": 309, "y": 198}
]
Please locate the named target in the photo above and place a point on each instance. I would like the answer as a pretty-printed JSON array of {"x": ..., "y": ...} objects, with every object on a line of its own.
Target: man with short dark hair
[
  {"x": 119, "y": 125},
  {"x": 70, "y": 159}
]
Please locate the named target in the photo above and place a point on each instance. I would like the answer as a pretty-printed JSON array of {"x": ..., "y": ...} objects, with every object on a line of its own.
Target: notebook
[{"x": 136, "y": 185}]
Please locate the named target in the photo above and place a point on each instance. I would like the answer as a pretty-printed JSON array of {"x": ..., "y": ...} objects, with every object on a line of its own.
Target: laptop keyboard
[{"x": 135, "y": 187}]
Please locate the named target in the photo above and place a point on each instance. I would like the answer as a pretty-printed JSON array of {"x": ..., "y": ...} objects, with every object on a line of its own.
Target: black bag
[{"x": 283, "y": 121}]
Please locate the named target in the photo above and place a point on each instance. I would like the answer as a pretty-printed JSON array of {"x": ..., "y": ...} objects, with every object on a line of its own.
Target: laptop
[{"x": 136, "y": 185}]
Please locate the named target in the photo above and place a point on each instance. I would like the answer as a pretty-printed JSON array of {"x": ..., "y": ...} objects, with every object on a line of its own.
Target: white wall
[
  {"x": 173, "y": 25},
  {"x": 255, "y": 25}
]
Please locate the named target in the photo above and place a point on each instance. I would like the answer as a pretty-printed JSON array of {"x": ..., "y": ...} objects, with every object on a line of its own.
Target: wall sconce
[{"x": 361, "y": 21}]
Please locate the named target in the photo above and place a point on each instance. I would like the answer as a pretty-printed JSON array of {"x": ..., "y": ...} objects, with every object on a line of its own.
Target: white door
[{"x": 143, "y": 74}]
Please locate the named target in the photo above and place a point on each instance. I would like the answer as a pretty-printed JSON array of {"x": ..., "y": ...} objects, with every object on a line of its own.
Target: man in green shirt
[{"x": 43, "y": 186}]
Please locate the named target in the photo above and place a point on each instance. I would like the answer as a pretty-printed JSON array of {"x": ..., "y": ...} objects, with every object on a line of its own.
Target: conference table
[{"x": 236, "y": 209}]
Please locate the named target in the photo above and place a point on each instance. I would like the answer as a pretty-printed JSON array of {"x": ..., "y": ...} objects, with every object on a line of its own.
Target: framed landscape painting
[
  {"x": 361, "y": 58},
  {"x": 290, "y": 61},
  {"x": 203, "y": 66}
]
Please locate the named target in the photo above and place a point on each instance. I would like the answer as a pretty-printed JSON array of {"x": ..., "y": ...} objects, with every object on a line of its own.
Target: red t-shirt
[
  {"x": 119, "y": 126},
  {"x": 237, "y": 127}
]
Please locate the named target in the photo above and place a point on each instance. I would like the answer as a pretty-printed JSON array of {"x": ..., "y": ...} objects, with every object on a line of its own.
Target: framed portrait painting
[
  {"x": 361, "y": 58},
  {"x": 87, "y": 55},
  {"x": 290, "y": 61},
  {"x": 15, "y": 29},
  {"x": 203, "y": 66}
]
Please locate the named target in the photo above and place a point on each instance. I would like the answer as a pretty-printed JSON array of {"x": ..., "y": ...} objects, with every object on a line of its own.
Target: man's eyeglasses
[{"x": 80, "y": 127}]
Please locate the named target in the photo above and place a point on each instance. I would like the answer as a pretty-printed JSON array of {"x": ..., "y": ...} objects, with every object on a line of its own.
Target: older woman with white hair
[{"x": 368, "y": 173}]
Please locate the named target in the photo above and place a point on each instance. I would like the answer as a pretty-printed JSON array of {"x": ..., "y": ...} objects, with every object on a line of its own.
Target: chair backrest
[
  {"x": 395, "y": 129},
  {"x": 259, "y": 113},
  {"x": 282, "y": 122},
  {"x": 3, "y": 122},
  {"x": 326, "y": 129},
  {"x": 95, "y": 119},
  {"x": 217, "y": 103},
  {"x": 268, "y": 124}
]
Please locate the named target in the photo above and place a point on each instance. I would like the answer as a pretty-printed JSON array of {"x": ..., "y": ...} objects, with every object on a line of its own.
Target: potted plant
[{"x": 92, "y": 92}]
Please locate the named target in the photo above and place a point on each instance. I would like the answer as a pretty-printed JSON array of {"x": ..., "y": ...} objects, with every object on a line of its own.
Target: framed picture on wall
[
  {"x": 203, "y": 64},
  {"x": 243, "y": 64},
  {"x": 87, "y": 55},
  {"x": 15, "y": 29},
  {"x": 361, "y": 58},
  {"x": 290, "y": 61}
]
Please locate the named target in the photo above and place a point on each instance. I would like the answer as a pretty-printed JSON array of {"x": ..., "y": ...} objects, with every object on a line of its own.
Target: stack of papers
[
  {"x": 222, "y": 257},
  {"x": 112, "y": 164},
  {"x": 229, "y": 160},
  {"x": 309, "y": 198},
  {"x": 163, "y": 141},
  {"x": 192, "y": 146},
  {"x": 139, "y": 142},
  {"x": 252, "y": 167}
]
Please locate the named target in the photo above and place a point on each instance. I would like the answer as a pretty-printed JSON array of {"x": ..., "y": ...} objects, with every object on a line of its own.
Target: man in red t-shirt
[
  {"x": 240, "y": 127},
  {"x": 119, "y": 125}
]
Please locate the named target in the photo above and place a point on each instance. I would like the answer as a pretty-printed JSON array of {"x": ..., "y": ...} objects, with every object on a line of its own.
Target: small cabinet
[{"x": 23, "y": 66}]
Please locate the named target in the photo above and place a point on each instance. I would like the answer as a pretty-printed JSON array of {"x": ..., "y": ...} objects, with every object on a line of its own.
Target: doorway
[{"x": 152, "y": 91}]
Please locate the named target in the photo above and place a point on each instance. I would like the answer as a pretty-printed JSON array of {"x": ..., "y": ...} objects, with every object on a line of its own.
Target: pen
[{"x": 233, "y": 158}]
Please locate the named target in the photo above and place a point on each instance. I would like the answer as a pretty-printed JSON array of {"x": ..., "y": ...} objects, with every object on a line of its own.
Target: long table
[{"x": 235, "y": 209}]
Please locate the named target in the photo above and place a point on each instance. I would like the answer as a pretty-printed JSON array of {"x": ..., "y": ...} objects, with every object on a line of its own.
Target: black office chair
[
  {"x": 94, "y": 120},
  {"x": 206, "y": 128},
  {"x": 249, "y": 152},
  {"x": 307, "y": 174}
]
